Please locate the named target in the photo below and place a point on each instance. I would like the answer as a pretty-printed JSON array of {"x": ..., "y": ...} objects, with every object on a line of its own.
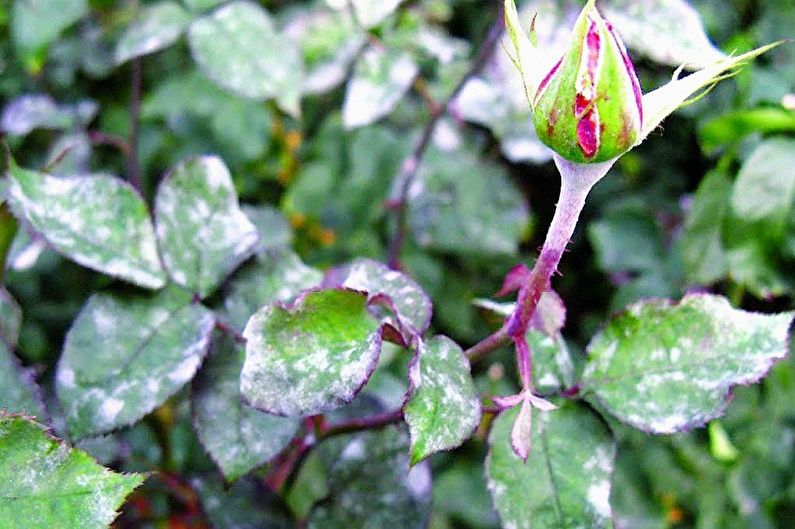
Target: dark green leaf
[
  {"x": 98, "y": 221},
  {"x": 310, "y": 357},
  {"x": 443, "y": 409},
  {"x": 664, "y": 368},
  {"x": 566, "y": 480},
  {"x": 702, "y": 249},
  {"x": 126, "y": 354},
  {"x": 237, "y": 437},
  {"x": 203, "y": 234},
  {"x": 371, "y": 486},
  {"x": 247, "y": 504},
  {"x": 47, "y": 484}
]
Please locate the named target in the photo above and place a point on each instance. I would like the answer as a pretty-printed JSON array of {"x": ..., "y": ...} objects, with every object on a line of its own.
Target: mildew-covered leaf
[
  {"x": 238, "y": 437},
  {"x": 10, "y": 318},
  {"x": 566, "y": 480},
  {"x": 202, "y": 232},
  {"x": 18, "y": 391},
  {"x": 39, "y": 111},
  {"x": 380, "y": 79},
  {"x": 246, "y": 504},
  {"x": 126, "y": 354},
  {"x": 48, "y": 484},
  {"x": 459, "y": 204},
  {"x": 370, "y": 485},
  {"x": 97, "y": 221},
  {"x": 37, "y": 23},
  {"x": 678, "y": 33},
  {"x": 443, "y": 409},
  {"x": 277, "y": 275},
  {"x": 311, "y": 357},
  {"x": 158, "y": 26},
  {"x": 238, "y": 47},
  {"x": 663, "y": 368},
  {"x": 330, "y": 41},
  {"x": 369, "y": 13},
  {"x": 412, "y": 303}
]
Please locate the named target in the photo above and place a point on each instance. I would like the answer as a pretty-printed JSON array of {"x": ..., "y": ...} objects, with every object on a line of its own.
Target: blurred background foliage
[{"x": 706, "y": 204}]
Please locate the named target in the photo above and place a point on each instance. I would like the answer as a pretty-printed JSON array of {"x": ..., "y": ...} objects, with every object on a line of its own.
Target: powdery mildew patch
[
  {"x": 124, "y": 356},
  {"x": 53, "y": 485},
  {"x": 443, "y": 409},
  {"x": 566, "y": 480},
  {"x": 312, "y": 357},
  {"x": 98, "y": 221},
  {"x": 237, "y": 437},
  {"x": 692, "y": 354},
  {"x": 203, "y": 233}
]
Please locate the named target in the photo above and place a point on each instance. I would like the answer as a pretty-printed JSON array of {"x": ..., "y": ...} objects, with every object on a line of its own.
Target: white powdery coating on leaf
[
  {"x": 599, "y": 497},
  {"x": 149, "y": 354},
  {"x": 294, "y": 369},
  {"x": 81, "y": 217},
  {"x": 380, "y": 80},
  {"x": 692, "y": 354},
  {"x": 202, "y": 231},
  {"x": 443, "y": 409}
]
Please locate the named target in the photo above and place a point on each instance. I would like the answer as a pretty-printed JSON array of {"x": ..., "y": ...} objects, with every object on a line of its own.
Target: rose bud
[{"x": 588, "y": 108}]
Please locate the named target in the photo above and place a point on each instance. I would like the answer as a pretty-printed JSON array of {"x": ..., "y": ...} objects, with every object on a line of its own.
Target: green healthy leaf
[
  {"x": 443, "y": 409},
  {"x": 10, "y": 318},
  {"x": 663, "y": 368},
  {"x": 371, "y": 486},
  {"x": 98, "y": 221},
  {"x": 566, "y": 480},
  {"x": 48, "y": 484},
  {"x": 729, "y": 128},
  {"x": 461, "y": 205},
  {"x": 203, "y": 234},
  {"x": 702, "y": 249},
  {"x": 369, "y": 13},
  {"x": 678, "y": 33},
  {"x": 246, "y": 504},
  {"x": 311, "y": 357},
  {"x": 238, "y": 47},
  {"x": 380, "y": 79},
  {"x": 412, "y": 303},
  {"x": 144, "y": 348},
  {"x": 18, "y": 391},
  {"x": 157, "y": 27},
  {"x": 277, "y": 275},
  {"x": 37, "y": 23},
  {"x": 237, "y": 437}
]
